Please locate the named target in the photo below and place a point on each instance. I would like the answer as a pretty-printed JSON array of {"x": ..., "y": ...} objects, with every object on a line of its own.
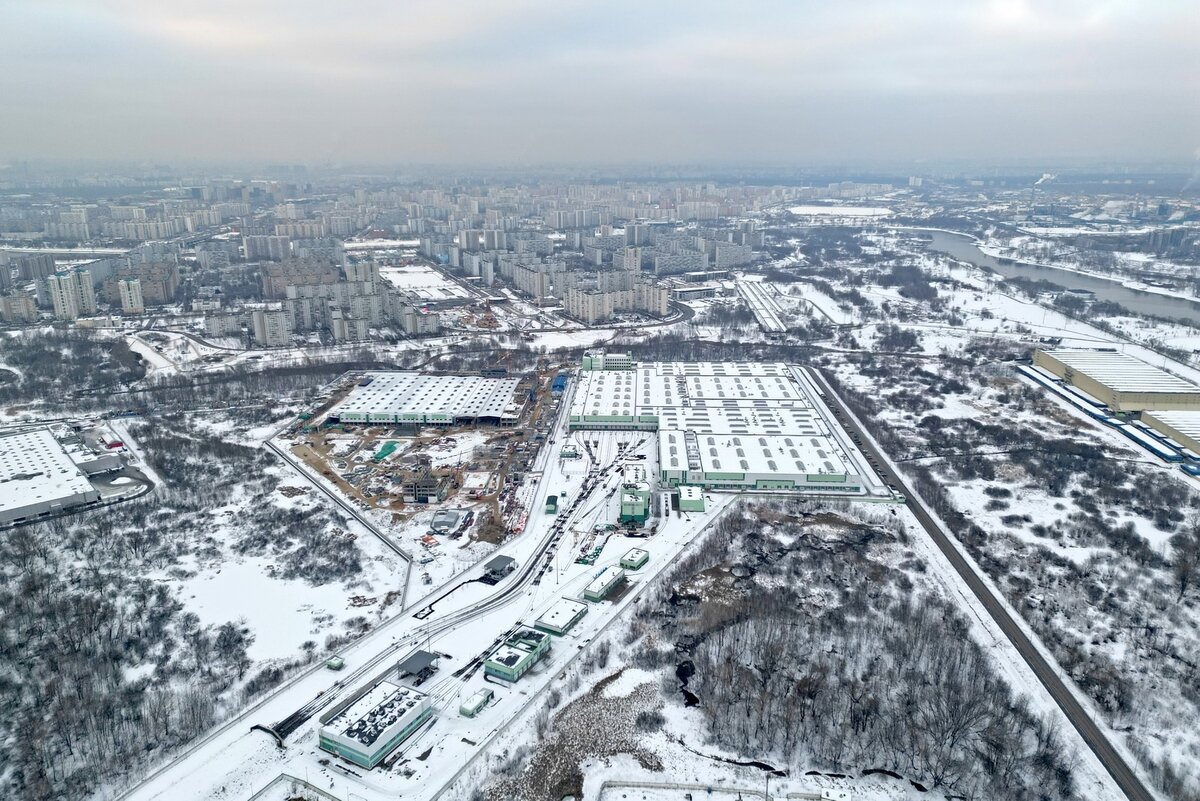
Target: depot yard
[{"x": 535, "y": 526}]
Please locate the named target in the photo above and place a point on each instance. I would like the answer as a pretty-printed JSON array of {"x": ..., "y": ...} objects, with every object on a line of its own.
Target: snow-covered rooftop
[
  {"x": 377, "y": 711},
  {"x": 402, "y": 392},
  {"x": 562, "y": 613},
  {"x": 1121, "y": 372},
  {"x": 35, "y": 469}
]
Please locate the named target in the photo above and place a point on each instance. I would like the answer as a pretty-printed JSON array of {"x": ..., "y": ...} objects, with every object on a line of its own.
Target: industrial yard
[{"x": 561, "y": 563}]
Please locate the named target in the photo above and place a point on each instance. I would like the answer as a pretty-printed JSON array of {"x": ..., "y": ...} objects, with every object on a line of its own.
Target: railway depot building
[
  {"x": 1121, "y": 382},
  {"x": 369, "y": 726},
  {"x": 406, "y": 397},
  {"x": 720, "y": 424}
]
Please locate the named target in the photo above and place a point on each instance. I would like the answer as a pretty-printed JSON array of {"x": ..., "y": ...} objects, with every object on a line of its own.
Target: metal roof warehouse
[
  {"x": 721, "y": 424},
  {"x": 422, "y": 398},
  {"x": 1121, "y": 382}
]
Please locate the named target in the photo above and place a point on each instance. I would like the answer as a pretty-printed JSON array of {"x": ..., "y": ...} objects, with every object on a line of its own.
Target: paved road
[{"x": 1112, "y": 760}]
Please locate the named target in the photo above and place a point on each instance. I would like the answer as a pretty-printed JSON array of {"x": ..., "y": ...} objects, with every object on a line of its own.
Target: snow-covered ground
[{"x": 239, "y": 761}]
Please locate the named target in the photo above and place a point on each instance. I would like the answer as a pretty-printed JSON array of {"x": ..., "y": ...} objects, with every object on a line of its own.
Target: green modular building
[
  {"x": 635, "y": 504},
  {"x": 636, "y": 559},
  {"x": 517, "y": 655},
  {"x": 476, "y": 703},
  {"x": 691, "y": 499}
]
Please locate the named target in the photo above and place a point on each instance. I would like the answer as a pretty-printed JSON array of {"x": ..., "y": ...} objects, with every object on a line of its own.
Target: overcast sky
[{"x": 559, "y": 81}]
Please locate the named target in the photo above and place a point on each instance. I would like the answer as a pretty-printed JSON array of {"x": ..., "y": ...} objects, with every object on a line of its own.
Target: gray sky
[{"x": 536, "y": 81}]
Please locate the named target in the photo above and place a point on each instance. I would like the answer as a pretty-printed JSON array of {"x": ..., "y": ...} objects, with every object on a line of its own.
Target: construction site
[{"x": 442, "y": 446}]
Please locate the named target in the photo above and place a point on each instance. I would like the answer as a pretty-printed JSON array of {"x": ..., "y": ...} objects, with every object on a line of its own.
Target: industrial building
[
  {"x": 691, "y": 499},
  {"x": 1121, "y": 382},
  {"x": 605, "y": 582},
  {"x": 724, "y": 425},
  {"x": 425, "y": 399},
  {"x": 38, "y": 477},
  {"x": 635, "y": 494},
  {"x": 635, "y": 559},
  {"x": 517, "y": 655},
  {"x": 561, "y": 617},
  {"x": 1183, "y": 427},
  {"x": 368, "y": 726}
]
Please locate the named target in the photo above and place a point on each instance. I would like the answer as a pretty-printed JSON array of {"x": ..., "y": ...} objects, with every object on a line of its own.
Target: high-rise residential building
[
  {"x": 272, "y": 327},
  {"x": 72, "y": 294},
  {"x": 628, "y": 259},
  {"x": 276, "y": 278},
  {"x": 19, "y": 307},
  {"x": 158, "y": 281},
  {"x": 131, "y": 296},
  {"x": 362, "y": 271},
  {"x": 35, "y": 267},
  {"x": 267, "y": 248}
]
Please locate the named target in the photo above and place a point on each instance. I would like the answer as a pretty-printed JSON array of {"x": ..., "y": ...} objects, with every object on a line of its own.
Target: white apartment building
[
  {"x": 72, "y": 294},
  {"x": 131, "y": 296}
]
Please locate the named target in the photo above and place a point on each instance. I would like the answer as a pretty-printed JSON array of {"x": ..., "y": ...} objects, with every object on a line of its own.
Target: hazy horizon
[{"x": 536, "y": 82}]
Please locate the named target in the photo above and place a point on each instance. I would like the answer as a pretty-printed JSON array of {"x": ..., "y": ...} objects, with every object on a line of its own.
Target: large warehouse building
[
  {"x": 426, "y": 399},
  {"x": 722, "y": 425},
  {"x": 1182, "y": 427},
  {"x": 370, "y": 725},
  {"x": 38, "y": 478},
  {"x": 1119, "y": 381}
]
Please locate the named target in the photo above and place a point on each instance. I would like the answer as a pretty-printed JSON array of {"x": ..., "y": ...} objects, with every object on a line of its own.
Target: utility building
[
  {"x": 636, "y": 559},
  {"x": 1119, "y": 381},
  {"x": 561, "y": 617},
  {"x": 604, "y": 583},
  {"x": 691, "y": 499},
  {"x": 517, "y": 655}
]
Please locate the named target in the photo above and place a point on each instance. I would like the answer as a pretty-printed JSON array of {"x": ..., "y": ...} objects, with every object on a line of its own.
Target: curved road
[{"x": 1109, "y": 757}]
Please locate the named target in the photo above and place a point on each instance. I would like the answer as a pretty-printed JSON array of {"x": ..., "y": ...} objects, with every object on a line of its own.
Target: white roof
[
  {"x": 680, "y": 390},
  {"x": 636, "y": 553},
  {"x": 1185, "y": 422},
  {"x": 34, "y": 468},
  {"x": 689, "y": 492},
  {"x": 405, "y": 392},
  {"x": 748, "y": 453},
  {"x": 381, "y": 707},
  {"x": 1121, "y": 372},
  {"x": 607, "y": 576},
  {"x": 562, "y": 613}
]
